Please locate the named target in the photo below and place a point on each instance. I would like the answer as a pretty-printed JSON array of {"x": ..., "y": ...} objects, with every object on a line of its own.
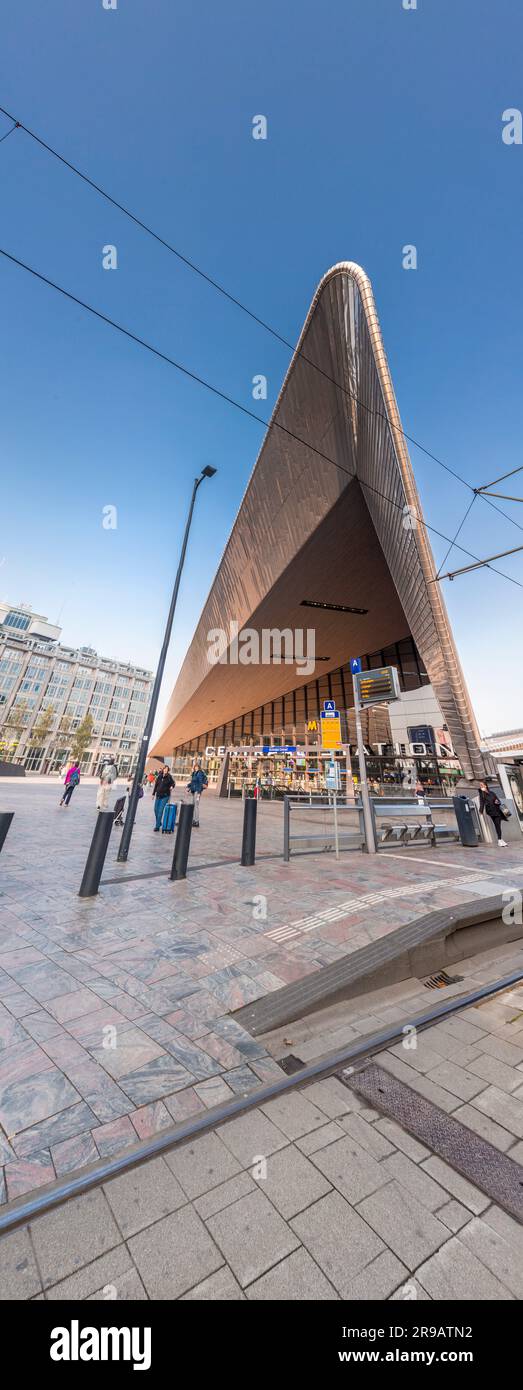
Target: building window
[
  {"x": 19, "y": 620},
  {"x": 34, "y": 759}
]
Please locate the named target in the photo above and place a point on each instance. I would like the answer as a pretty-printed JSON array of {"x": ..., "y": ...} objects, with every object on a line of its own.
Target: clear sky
[{"x": 384, "y": 130}]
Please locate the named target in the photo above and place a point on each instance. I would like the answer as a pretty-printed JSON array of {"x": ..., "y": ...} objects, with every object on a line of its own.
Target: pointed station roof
[{"x": 331, "y": 514}]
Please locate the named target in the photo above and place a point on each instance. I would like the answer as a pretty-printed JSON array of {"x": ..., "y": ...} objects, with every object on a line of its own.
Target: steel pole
[
  {"x": 5, "y": 822},
  {"x": 127, "y": 831},
  {"x": 365, "y": 799},
  {"x": 183, "y": 841},
  {"x": 249, "y": 831},
  {"x": 96, "y": 858}
]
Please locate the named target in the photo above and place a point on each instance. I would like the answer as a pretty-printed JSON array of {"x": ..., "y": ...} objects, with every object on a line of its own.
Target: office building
[{"x": 38, "y": 673}]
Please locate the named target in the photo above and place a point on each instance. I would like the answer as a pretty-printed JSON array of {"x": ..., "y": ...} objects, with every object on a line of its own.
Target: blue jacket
[{"x": 198, "y": 781}]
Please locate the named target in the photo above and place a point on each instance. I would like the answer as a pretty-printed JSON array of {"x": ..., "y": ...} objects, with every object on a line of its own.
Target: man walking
[
  {"x": 196, "y": 786},
  {"x": 162, "y": 791},
  {"x": 108, "y": 775}
]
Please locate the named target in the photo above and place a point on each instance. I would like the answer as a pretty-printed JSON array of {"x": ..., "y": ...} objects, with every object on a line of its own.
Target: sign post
[
  {"x": 367, "y": 812},
  {"x": 377, "y": 687}
]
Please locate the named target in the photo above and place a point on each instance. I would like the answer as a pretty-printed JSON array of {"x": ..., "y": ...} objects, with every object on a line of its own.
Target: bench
[{"x": 404, "y": 823}]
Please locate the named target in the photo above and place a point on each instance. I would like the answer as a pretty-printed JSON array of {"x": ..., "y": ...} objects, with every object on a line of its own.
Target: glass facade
[{"x": 285, "y": 719}]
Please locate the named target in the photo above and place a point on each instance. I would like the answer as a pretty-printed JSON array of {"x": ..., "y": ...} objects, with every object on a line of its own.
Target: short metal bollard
[
  {"x": 249, "y": 831},
  {"x": 5, "y": 822},
  {"x": 96, "y": 857},
  {"x": 183, "y": 840}
]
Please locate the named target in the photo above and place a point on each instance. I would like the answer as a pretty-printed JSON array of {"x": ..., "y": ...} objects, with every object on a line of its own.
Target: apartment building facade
[{"x": 38, "y": 673}]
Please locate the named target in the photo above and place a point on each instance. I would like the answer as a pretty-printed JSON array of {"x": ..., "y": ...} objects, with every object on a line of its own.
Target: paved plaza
[
  {"x": 313, "y": 1195},
  {"x": 117, "y": 1013}
]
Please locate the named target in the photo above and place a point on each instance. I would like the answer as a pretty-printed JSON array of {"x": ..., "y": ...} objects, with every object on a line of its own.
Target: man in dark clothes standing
[{"x": 162, "y": 792}]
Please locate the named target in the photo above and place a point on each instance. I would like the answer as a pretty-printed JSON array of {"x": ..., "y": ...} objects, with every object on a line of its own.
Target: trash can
[{"x": 467, "y": 818}]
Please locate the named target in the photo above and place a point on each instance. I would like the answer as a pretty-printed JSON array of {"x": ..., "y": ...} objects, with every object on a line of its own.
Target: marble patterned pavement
[{"x": 117, "y": 1013}]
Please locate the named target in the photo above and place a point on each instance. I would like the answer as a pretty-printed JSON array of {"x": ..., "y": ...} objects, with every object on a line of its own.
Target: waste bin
[{"x": 467, "y": 818}]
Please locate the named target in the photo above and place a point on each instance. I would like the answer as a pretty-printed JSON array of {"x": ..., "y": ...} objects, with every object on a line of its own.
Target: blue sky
[{"x": 384, "y": 129}]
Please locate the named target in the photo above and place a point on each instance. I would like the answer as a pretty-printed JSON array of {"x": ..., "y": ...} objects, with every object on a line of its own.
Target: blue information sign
[
  {"x": 329, "y": 706},
  {"x": 355, "y": 665}
]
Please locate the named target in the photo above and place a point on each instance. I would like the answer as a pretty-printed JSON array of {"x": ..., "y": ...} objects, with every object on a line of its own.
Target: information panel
[
  {"x": 331, "y": 731},
  {"x": 376, "y": 687}
]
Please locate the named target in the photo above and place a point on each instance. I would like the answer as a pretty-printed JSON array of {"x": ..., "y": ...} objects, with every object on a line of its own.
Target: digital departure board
[{"x": 376, "y": 687}]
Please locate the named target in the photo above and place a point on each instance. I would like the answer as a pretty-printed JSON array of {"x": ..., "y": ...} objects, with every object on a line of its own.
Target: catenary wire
[
  {"x": 191, "y": 265},
  {"x": 16, "y": 126},
  {"x": 200, "y": 381},
  {"x": 460, "y": 528}
]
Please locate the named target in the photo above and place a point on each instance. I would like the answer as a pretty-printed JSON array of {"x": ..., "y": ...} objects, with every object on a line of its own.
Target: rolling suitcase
[
  {"x": 169, "y": 818},
  {"x": 119, "y": 807}
]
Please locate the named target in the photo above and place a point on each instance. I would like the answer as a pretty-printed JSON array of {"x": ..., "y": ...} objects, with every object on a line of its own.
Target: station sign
[
  {"x": 276, "y": 751},
  {"x": 330, "y": 722},
  {"x": 378, "y": 687}
]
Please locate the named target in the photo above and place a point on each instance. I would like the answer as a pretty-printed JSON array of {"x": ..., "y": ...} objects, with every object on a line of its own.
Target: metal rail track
[{"x": 27, "y": 1208}]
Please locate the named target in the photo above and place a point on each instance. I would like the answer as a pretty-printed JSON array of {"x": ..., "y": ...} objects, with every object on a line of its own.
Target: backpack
[{"x": 74, "y": 779}]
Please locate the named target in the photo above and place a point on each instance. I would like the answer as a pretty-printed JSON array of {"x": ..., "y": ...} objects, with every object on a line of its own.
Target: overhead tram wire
[
  {"x": 200, "y": 381},
  {"x": 209, "y": 279},
  {"x": 16, "y": 126},
  {"x": 460, "y": 528}
]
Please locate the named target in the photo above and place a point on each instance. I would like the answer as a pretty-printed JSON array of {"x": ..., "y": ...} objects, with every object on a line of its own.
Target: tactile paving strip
[{"x": 495, "y": 1173}]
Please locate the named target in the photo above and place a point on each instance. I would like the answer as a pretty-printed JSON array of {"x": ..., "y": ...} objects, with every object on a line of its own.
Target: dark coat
[
  {"x": 198, "y": 781},
  {"x": 489, "y": 802},
  {"x": 164, "y": 784}
]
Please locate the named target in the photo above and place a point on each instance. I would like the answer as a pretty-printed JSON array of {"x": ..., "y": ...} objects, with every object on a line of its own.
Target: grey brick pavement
[
  {"x": 115, "y": 1013},
  {"x": 319, "y": 1199}
]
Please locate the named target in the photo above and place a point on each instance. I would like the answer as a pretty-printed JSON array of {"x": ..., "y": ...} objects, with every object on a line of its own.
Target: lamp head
[{"x": 208, "y": 471}]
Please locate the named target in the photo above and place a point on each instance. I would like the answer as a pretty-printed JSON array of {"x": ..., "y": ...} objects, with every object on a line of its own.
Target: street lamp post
[{"x": 127, "y": 831}]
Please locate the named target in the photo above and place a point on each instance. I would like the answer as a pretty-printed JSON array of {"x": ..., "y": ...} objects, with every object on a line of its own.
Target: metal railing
[{"x": 328, "y": 813}]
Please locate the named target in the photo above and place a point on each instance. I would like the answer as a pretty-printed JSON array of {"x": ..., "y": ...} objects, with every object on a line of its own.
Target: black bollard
[
  {"x": 249, "y": 831},
  {"x": 96, "y": 857},
  {"x": 183, "y": 840},
  {"x": 5, "y": 822}
]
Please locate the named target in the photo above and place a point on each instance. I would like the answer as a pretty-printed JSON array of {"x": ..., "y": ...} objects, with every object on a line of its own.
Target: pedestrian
[
  {"x": 196, "y": 786},
  {"x": 489, "y": 802},
  {"x": 162, "y": 791},
  {"x": 108, "y": 775},
  {"x": 71, "y": 780}
]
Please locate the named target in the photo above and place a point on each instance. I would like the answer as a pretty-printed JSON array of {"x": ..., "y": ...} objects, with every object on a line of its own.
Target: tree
[
  {"x": 43, "y": 726},
  {"x": 82, "y": 738},
  {"x": 16, "y": 719},
  {"x": 64, "y": 726},
  {"x": 15, "y": 722}
]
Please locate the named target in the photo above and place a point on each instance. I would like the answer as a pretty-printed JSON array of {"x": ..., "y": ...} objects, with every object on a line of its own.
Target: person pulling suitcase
[{"x": 162, "y": 791}]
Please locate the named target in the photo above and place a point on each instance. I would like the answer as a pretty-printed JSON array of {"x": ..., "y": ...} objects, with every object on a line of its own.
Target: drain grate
[
  {"x": 290, "y": 1063},
  {"x": 495, "y": 1173},
  {"x": 441, "y": 979}
]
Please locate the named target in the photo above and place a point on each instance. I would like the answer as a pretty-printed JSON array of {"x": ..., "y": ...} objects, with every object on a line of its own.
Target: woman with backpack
[{"x": 72, "y": 778}]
